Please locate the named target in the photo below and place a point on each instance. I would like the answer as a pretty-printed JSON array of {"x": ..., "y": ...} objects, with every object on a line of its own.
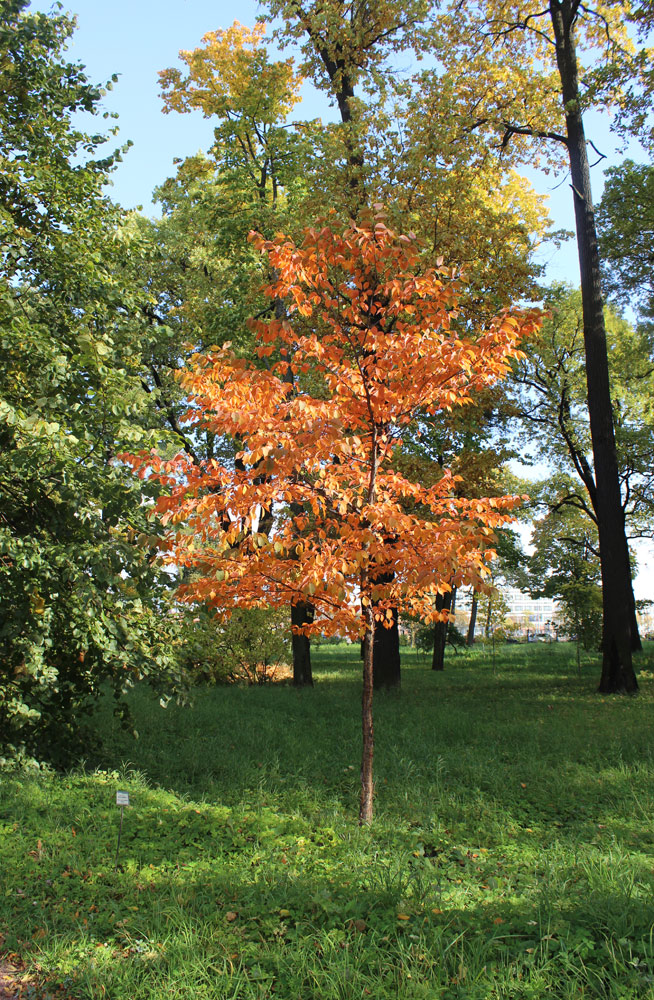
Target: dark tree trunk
[
  {"x": 386, "y": 650},
  {"x": 342, "y": 85},
  {"x": 470, "y": 638},
  {"x": 386, "y": 655},
  {"x": 443, "y": 603},
  {"x": 367, "y": 788},
  {"x": 301, "y": 614},
  {"x": 617, "y": 669}
]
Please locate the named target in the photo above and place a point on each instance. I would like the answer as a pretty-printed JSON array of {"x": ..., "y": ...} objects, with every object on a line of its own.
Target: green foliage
[
  {"x": 80, "y": 602},
  {"x": 511, "y": 856},
  {"x": 550, "y": 401},
  {"x": 580, "y": 601},
  {"x": 424, "y": 637},
  {"x": 248, "y": 646},
  {"x": 204, "y": 275},
  {"x": 625, "y": 218},
  {"x": 565, "y": 566},
  {"x": 492, "y": 616}
]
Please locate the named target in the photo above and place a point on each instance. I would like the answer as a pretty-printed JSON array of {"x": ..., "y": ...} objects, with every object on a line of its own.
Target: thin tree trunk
[
  {"x": 617, "y": 668},
  {"x": 470, "y": 638},
  {"x": 301, "y": 614},
  {"x": 455, "y": 591},
  {"x": 365, "y": 802},
  {"x": 487, "y": 626}
]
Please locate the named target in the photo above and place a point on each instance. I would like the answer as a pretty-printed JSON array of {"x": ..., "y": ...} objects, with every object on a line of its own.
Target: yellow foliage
[{"x": 230, "y": 75}]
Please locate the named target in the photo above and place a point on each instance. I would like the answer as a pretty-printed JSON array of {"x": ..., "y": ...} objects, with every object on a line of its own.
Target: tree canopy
[{"x": 376, "y": 346}]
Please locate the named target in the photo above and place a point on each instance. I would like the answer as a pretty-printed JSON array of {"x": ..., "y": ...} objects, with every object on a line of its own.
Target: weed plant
[{"x": 511, "y": 856}]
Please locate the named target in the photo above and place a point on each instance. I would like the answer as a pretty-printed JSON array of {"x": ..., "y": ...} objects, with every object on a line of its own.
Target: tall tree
[
  {"x": 550, "y": 400},
  {"x": 518, "y": 74},
  {"x": 377, "y": 347},
  {"x": 564, "y": 565},
  {"x": 253, "y": 178},
  {"x": 344, "y": 44},
  {"x": 472, "y": 217},
  {"x": 79, "y": 598}
]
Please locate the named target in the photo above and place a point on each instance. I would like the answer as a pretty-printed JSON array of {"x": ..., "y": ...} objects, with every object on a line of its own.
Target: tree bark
[
  {"x": 386, "y": 649},
  {"x": 617, "y": 668},
  {"x": 386, "y": 655},
  {"x": 470, "y": 638},
  {"x": 443, "y": 603},
  {"x": 489, "y": 613},
  {"x": 301, "y": 614},
  {"x": 588, "y": 478},
  {"x": 455, "y": 591},
  {"x": 367, "y": 789}
]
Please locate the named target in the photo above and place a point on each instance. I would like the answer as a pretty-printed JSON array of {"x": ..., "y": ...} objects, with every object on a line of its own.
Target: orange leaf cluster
[{"x": 364, "y": 347}]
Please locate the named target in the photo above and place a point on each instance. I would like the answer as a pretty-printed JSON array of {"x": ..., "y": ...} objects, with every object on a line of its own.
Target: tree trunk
[
  {"x": 489, "y": 613},
  {"x": 386, "y": 655},
  {"x": 386, "y": 649},
  {"x": 365, "y": 802},
  {"x": 453, "y": 605},
  {"x": 443, "y": 603},
  {"x": 470, "y": 639},
  {"x": 301, "y": 614},
  {"x": 617, "y": 669}
]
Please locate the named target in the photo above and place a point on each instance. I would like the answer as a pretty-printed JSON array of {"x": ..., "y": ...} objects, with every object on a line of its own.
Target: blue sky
[{"x": 137, "y": 38}]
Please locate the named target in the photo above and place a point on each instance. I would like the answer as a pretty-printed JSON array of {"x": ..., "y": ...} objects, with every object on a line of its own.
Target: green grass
[{"x": 512, "y": 853}]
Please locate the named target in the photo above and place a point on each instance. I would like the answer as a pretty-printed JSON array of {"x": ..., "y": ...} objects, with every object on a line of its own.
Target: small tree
[
  {"x": 371, "y": 347},
  {"x": 565, "y": 566}
]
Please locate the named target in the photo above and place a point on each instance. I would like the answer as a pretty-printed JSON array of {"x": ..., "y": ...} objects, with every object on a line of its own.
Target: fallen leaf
[{"x": 231, "y": 915}]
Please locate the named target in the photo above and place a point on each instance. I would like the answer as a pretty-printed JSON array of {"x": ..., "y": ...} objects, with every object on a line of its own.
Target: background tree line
[{"x": 102, "y": 308}]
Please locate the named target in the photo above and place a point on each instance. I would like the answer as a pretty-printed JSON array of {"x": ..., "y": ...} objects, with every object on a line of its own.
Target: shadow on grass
[
  {"x": 511, "y": 856},
  {"x": 461, "y": 742},
  {"x": 266, "y": 902}
]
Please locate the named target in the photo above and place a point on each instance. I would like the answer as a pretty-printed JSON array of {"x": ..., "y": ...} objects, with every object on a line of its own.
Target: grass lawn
[{"x": 512, "y": 853}]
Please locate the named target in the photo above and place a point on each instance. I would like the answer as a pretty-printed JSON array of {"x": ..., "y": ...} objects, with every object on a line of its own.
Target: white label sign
[{"x": 122, "y": 798}]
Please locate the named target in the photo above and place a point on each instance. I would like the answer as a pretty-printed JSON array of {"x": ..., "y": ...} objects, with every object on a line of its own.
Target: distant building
[
  {"x": 535, "y": 615},
  {"x": 530, "y": 616}
]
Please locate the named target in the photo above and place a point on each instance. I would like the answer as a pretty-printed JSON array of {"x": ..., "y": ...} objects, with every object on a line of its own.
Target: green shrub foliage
[{"x": 80, "y": 601}]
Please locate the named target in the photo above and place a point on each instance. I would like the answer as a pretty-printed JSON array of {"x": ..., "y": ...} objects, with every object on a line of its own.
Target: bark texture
[
  {"x": 301, "y": 614},
  {"x": 470, "y": 638},
  {"x": 386, "y": 650},
  {"x": 617, "y": 668},
  {"x": 443, "y": 603},
  {"x": 365, "y": 801}
]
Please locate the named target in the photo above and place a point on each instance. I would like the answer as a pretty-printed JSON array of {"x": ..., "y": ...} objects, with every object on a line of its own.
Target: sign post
[{"x": 122, "y": 800}]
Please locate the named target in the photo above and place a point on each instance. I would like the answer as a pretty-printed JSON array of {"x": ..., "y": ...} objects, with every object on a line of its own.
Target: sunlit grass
[{"x": 512, "y": 854}]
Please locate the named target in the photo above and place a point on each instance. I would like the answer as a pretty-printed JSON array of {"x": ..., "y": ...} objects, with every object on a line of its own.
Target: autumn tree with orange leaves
[{"x": 371, "y": 347}]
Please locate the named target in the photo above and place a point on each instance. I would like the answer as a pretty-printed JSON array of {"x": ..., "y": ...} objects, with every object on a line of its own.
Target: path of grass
[{"x": 512, "y": 855}]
